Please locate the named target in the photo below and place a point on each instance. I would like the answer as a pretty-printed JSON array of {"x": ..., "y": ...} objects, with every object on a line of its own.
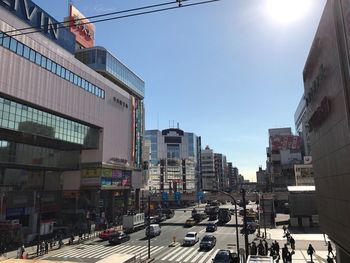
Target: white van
[{"x": 154, "y": 230}]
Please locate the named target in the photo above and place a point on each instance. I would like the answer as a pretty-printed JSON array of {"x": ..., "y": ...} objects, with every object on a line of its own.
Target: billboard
[
  {"x": 284, "y": 142},
  {"x": 81, "y": 27}
]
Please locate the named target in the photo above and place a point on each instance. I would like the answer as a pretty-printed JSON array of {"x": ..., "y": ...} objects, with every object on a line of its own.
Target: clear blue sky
[{"x": 227, "y": 71}]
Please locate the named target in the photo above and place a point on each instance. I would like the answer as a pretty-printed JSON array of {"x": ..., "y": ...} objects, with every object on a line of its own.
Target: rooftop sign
[{"x": 34, "y": 16}]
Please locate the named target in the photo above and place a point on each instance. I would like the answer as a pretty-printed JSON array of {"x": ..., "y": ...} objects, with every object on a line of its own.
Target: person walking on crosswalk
[
  {"x": 284, "y": 253},
  {"x": 310, "y": 251},
  {"x": 330, "y": 249}
]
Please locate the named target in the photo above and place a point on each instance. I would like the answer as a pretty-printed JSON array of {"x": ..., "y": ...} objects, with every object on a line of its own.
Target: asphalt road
[{"x": 92, "y": 251}]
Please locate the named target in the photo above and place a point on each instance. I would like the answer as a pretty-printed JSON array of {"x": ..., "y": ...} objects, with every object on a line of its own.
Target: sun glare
[{"x": 287, "y": 11}]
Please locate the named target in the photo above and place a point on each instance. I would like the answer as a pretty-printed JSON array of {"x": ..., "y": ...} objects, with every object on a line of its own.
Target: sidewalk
[{"x": 301, "y": 243}]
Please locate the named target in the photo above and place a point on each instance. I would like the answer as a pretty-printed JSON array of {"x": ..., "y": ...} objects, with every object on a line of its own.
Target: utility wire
[
  {"x": 61, "y": 25},
  {"x": 101, "y": 15}
]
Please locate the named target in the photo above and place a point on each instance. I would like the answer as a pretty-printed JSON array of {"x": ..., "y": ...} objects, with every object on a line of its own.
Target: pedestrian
[
  {"x": 330, "y": 249},
  {"x": 46, "y": 247},
  {"x": 310, "y": 251},
  {"x": 42, "y": 248},
  {"x": 289, "y": 257},
  {"x": 266, "y": 246},
  {"x": 261, "y": 249},
  {"x": 284, "y": 253},
  {"x": 22, "y": 250},
  {"x": 277, "y": 247},
  {"x": 253, "y": 249},
  {"x": 292, "y": 243},
  {"x": 284, "y": 229},
  {"x": 330, "y": 260}
]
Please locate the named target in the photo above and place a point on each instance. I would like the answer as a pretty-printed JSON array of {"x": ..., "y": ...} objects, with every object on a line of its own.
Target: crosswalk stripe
[
  {"x": 184, "y": 254},
  {"x": 144, "y": 253},
  {"x": 100, "y": 253},
  {"x": 191, "y": 255},
  {"x": 73, "y": 252},
  {"x": 196, "y": 257},
  {"x": 127, "y": 251},
  {"x": 135, "y": 250},
  {"x": 116, "y": 250},
  {"x": 171, "y": 253},
  {"x": 94, "y": 251},
  {"x": 177, "y": 254},
  {"x": 211, "y": 255}
]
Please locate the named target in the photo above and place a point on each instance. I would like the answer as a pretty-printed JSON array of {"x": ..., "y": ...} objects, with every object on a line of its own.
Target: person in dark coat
[
  {"x": 289, "y": 257},
  {"x": 277, "y": 247},
  {"x": 261, "y": 249},
  {"x": 284, "y": 253},
  {"x": 330, "y": 249},
  {"x": 253, "y": 249},
  {"x": 310, "y": 251},
  {"x": 266, "y": 248},
  {"x": 292, "y": 243}
]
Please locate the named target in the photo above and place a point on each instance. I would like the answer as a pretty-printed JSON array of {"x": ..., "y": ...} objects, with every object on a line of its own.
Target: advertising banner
[
  {"x": 284, "y": 142},
  {"x": 81, "y": 27}
]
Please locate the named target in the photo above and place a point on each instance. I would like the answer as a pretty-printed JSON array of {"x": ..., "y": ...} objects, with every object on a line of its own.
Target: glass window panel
[
  {"x": 58, "y": 70},
  {"x": 43, "y": 61},
  {"x": 53, "y": 69},
  {"x": 6, "y": 41},
  {"x": 38, "y": 59},
  {"x": 79, "y": 81},
  {"x": 75, "y": 80},
  {"x": 71, "y": 77},
  {"x": 48, "y": 64},
  {"x": 90, "y": 87},
  {"x": 19, "y": 49},
  {"x": 32, "y": 55},
  {"x": 83, "y": 83},
  {"x": 103, "y": 94},
  {"x": 13, "y": 45},
  {"x": 67, "y": 74},
  {"x": 63, "y": 72},
  {"x": 1, "y": 38},
  {"x": 26, "y": 52},
  {"x": 86, "y": 85}
]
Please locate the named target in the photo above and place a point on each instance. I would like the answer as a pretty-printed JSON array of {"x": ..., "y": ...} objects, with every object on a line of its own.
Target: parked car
[
  {"x": 118, "y": 238},
  {"x": 225, "y": 256},
  {"x": 106, "y": 234},
  {"x": 154, "y": 230},
  {"x": 190, "y": 222},
  {"x": 211, "y": 227},
  {"x": 207, "y": 242},
  {"x": 190, "y": 239}
]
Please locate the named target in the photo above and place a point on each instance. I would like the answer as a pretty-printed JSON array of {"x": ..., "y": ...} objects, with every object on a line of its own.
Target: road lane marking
[
  {"x": 191, "y": 255},
  {"x": 196, "y": 257},
  {"x": 211, "y": 254},
  {"x": 184, "y": 254},
  {"x": 170, "y": 254}
]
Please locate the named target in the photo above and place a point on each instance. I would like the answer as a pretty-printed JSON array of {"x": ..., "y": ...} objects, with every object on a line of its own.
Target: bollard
[{"x": 174, "y": 239}]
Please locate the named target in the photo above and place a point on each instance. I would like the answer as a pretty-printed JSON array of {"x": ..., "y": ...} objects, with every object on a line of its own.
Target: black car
[
  {"x": 225, "y": 256},
  {"x": 119, "y": 238},
  {"x": 211, "y": 227},
  {"x": 208, "y": 242}
]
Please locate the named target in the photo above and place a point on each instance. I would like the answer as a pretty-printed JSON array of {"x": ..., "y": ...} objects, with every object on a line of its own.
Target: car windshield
[
  {"x": 222, "y": 256},
  {"x": 211, "y": 224},
  {"x": 207, "y": 238},
  {"x": 190, "y": 235}
]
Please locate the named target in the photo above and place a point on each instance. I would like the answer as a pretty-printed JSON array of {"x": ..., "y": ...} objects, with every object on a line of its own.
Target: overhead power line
[{"x": 180, "y": 4}]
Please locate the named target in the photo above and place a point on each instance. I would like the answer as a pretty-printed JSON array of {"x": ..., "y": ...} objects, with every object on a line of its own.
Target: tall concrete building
[
  {"x": 232, "y": 180},
  {"x": 261, "y": 180},
  {"x": 301, "y": 130},
  {"x": 327, "y": 88},
  {"x": 70, "y": 125},
  {"x": 174, "y": 164},
  {"x": 283, "y": 152},
  {"x": 221, "y": 171},
  {"x": 209, "y": 178}
]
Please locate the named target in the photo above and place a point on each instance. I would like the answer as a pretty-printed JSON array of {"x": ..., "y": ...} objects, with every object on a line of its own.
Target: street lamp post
[
  {"x": 149, "y": 226},
  {"x": 242, "y": 191},
  {"x": 38, "y": 196},
  {"x": 236, "y": 211}
]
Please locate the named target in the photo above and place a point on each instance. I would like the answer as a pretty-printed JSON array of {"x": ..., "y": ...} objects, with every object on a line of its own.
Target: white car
[{"x": 190, "y": 239}]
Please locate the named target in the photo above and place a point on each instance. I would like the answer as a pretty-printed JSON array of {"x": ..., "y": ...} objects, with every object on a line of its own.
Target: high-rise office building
[{"x": 174, "y": 160}]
